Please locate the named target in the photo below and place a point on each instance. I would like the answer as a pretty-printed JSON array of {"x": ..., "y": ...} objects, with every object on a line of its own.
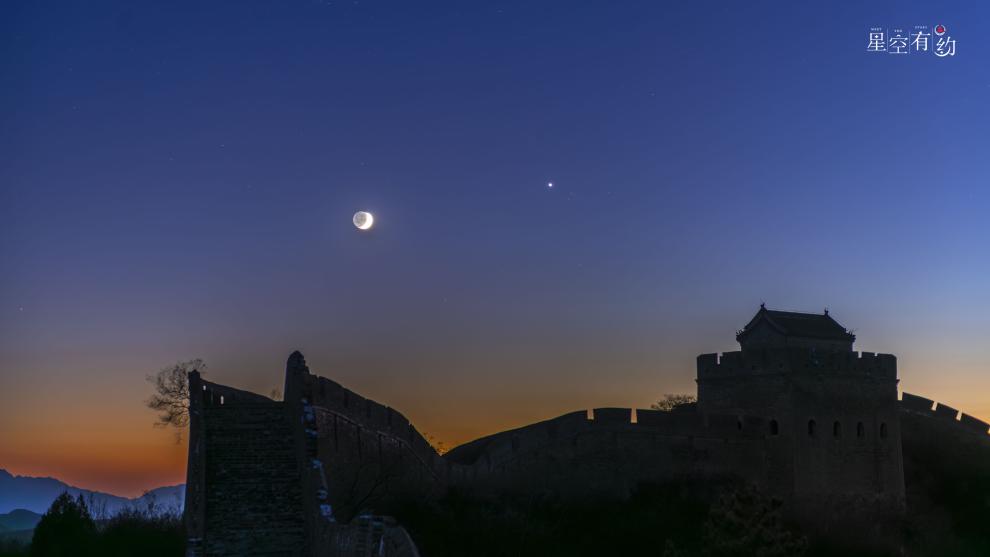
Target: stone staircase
[{"x": 371, "y": 536}]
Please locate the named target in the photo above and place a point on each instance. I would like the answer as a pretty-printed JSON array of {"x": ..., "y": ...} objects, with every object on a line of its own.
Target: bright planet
[{"x": 363, "y": 220}]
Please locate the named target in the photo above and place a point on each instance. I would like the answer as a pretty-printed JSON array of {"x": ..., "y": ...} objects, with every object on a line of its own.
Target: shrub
[{"x": 65, "y": 530}]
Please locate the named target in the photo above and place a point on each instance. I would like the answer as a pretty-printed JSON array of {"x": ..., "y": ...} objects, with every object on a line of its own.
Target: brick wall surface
[{"x": 254, "y": 503}]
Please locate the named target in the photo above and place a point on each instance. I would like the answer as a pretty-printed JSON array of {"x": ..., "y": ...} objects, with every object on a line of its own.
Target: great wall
[{"x": 795, "y": 412}]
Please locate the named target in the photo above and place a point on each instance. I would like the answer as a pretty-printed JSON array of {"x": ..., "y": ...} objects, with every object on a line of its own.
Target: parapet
[
  {"x": 928, "y": 407},
  {"x": 364, "y": 414},
  {"x": 974, "y": 424},
  {"x": 795, "y": 360},
  {"x": 946, "y": 412},
  {"x": 612, "y": 415},
  {"x": 575, "y": 431},
  {"x": 917, "y": 403},
  {"x": 370, "y": 414},
  {"x": 215, "y": 394},
  {"x": 668, "y": 421}
]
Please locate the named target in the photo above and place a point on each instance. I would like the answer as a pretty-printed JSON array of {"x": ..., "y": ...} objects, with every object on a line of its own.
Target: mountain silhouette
[
  {"x": 36, "y": 495},
  {"x": 19, "y": 519}
]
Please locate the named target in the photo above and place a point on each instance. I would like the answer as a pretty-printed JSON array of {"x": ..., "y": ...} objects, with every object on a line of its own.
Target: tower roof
[{"x": 796, "y": 324}]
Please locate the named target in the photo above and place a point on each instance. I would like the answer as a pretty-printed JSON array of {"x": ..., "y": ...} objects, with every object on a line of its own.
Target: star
[{"x": 550, "y": 185}]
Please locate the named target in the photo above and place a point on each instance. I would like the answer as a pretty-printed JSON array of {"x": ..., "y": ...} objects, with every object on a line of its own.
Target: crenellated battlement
[
  {"x": 793, "y": 360},
  {"x": 582, "y": 429},
  {"x": 927, "y": 407}
]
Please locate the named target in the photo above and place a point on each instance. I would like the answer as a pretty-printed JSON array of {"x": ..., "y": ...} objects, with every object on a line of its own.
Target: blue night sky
[{"x": 177, "y": 180}]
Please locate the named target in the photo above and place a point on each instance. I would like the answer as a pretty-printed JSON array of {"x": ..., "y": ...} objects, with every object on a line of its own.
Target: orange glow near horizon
[{"x": 111, "y": 446}]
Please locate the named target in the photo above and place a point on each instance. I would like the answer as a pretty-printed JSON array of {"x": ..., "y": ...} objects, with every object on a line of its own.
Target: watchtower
[
  {"x": 833, "y": 433},
  {"x": 778, "y": 329}
]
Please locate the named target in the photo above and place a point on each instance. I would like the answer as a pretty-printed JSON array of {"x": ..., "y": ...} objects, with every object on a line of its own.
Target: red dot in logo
[{"x": 940, "y": 29}]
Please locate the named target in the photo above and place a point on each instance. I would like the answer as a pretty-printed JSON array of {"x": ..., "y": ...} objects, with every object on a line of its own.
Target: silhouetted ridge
[{"x": 468, "y": 453}]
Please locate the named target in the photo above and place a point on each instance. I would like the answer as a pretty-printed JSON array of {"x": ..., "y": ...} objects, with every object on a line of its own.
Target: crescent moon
[{"x": 363, "y": 220}]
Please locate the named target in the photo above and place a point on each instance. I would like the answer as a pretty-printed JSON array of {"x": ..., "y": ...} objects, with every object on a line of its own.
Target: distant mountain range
[
  {"x": 18, "y": 526},
  {"x": 37, "y": 494},
  {"x": 18, "y": 520}
]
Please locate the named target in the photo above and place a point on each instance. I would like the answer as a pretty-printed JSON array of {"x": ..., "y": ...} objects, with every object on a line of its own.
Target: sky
[{"x": 177, "y": 181}]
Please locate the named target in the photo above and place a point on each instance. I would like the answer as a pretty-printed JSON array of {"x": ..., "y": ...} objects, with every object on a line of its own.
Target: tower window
[
  {"x": 774, "y": 428},
  {"x": 883, "y": 430},
  {"x": 811, "y": 428},
  {"x": 837, "y": 430},
  {"x": 860, "y": 430}
]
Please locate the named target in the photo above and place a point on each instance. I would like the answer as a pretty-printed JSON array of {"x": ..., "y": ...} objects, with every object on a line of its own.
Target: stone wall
[
  {"x": 277, "y": 478},
  {"x": 372, "y": 454},
  {"x": 256, "y": 507},
  {"x": 837, "y": 410},
  {"x": 940, "y": 420},
  {"x": 377, "y": 456},
  {"x": 243, "y": 490},
  {"x": 256, "y": 481},
  {"x": 606, "y": 452}
]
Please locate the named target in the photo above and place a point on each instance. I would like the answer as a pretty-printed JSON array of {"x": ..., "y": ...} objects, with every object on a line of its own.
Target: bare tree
[
  {"x": 368, "y": 483},
  {"x": 670, "y": 401},
  {"x": 439, "y": 446},
  {"x": 171, "y": 396}
]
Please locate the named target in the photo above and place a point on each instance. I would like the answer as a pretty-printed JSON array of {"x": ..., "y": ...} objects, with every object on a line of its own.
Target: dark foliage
[
  {"x": 653, "y": 517},
  {"x": 13, "y": 548},
  {"x": 65, "y": 530},
  {"x": 671, "y": 401},
  {"x": 745, "y": 523},
  {"x": 686, "y": 519},
  {"x": 144, "y": 533},
  {"x": 948, "y": 504}
]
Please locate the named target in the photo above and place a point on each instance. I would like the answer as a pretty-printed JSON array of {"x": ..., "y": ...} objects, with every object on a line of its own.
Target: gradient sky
[{"x": 177, "y": 180}]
